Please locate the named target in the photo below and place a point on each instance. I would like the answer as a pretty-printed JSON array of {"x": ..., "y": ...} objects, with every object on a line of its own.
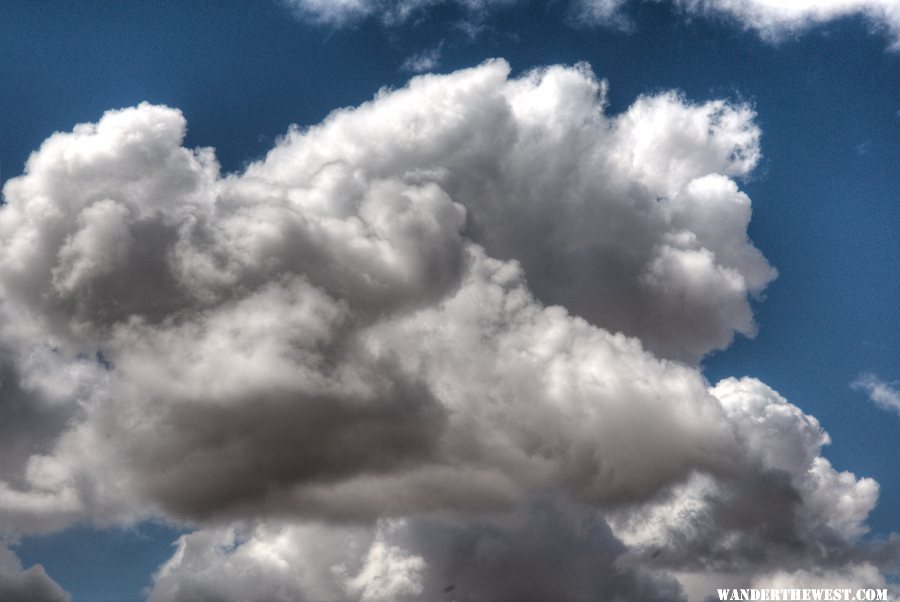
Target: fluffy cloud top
[
  {"x": 422, "y": 314},
  {"x": 266, "y": 332}
]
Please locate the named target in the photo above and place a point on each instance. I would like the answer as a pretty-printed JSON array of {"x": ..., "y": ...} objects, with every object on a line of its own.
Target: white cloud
[
  {"x": 347, "y": 332},
  {"x": 854, "y": 576},
  {"x": 346, "y": 12},
  {"x": 773, "y": 20},
  {"x": 255, "y": 323},
  {"x": 608, "y": 13},
  {"x": 599, "y": 210},
  {"x": 388, "y": 573},
  {"x": 427, "y": 60},
  {"x": 885, "y": 395},
  {"x": 332, "y": 12}
]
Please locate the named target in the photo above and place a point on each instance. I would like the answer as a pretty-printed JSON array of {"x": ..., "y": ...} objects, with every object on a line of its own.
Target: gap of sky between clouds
[{"x": 824, "y": 197}]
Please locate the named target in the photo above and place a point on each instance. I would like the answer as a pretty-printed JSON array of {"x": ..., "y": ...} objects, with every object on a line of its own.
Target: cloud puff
[
  {"x": 31, "y": 584},
  {"x": 885, "y": 395},
  {"x": 456, "y": 297}
]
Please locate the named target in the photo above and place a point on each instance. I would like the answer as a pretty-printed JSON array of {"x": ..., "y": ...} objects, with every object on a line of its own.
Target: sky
[{"x": 469, "y": 300}]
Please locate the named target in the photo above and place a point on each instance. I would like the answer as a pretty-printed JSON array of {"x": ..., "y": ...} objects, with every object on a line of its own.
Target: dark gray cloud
[
  {"x": 543, "y": 550},
  {"x": 32, "y": 584}
]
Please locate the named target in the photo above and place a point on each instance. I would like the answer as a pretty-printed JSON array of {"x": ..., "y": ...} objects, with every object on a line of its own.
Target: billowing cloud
[
  {"x": 263, "y": 333},
  {"x": 789, "y": 508},
  {"x": 884, "y": 394},
  {"x": 630, "y": 221},
  {"x": 32, "y": 584},
  {"x": 416, "y": 317}
]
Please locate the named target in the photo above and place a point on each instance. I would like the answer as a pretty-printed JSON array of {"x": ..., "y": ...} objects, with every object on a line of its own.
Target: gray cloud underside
[
  {"x": 544, "y": 549},
  {"x": 33, "y": 584}
]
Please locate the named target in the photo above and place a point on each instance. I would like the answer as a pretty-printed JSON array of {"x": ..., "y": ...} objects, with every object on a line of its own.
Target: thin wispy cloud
[
  {"x": 886, "y": 395},
  {"x": 773, "y": 20},
  {"x": 426, "y": 60}
]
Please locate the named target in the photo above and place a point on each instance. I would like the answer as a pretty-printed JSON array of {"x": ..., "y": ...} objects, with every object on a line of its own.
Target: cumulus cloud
[
  {"x": 632, "y": 221},
  {"x": 32, "y": 584},
  {"x": 789, "y": 508},
  {"x": 419, "y": 314},
  {"x": 265, "y": 332},
  {"x": 884, "y": 394}
]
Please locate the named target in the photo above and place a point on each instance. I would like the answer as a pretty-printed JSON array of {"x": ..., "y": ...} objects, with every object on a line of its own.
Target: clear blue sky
[{"x": 826, "y": 194}]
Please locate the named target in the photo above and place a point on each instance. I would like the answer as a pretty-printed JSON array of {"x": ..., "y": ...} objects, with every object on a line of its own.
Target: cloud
[
  {"x": 631, "y": 221},
  {"x": 31, "y": 584},
  {"x": 772, "y": 20},
  {"x": 427, "y": 60},
  {"x": 885, "y": 395},
  {"x": 789, "y": 508},
  {"x": 328, "y": 12},
  {"x": 543, "y": 549},
  {"x": 855, "y": 576},
  {"x": 265, "y": 332},
  {"x": 342, "y": 13},
  {"x": 608, "y": 13},
  {"x": 429, "y": 310}
]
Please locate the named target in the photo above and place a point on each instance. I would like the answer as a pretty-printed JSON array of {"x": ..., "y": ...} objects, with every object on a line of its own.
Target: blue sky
[{"x": 824, "y": 194}]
